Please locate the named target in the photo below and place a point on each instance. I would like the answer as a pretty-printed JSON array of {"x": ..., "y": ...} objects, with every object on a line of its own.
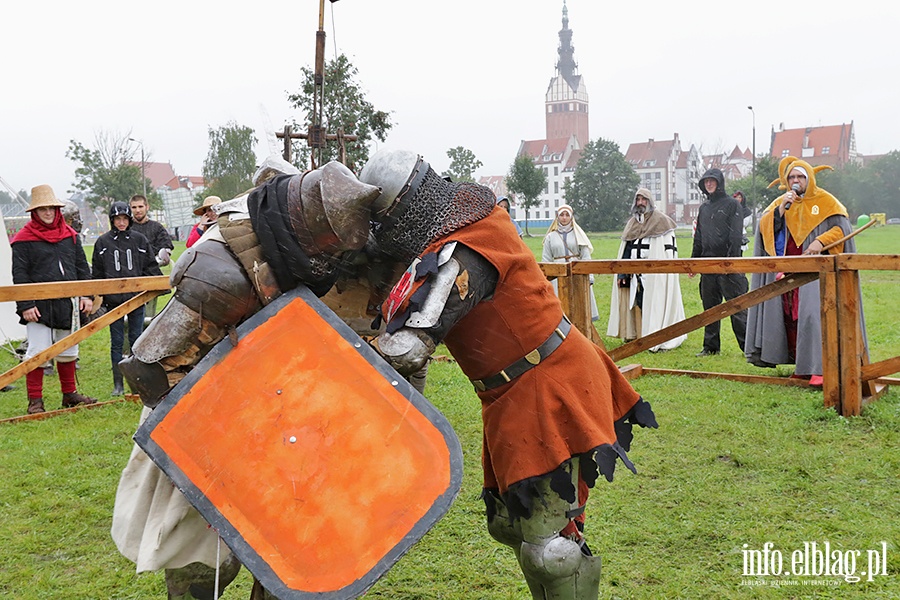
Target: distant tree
[
  {"x": 344, "y": 109},
  {"x": 107, "y": 172},
  {"x": 887, "y": 169},
  {"x": 230, "y": 161},
  {"x": 756, "y": 189},
  {"x": 463, "y": 164},
  {"x": 601, "y": 189},
  {"x": 527, "y": 181},
  {"x": 858, "y": 188}
]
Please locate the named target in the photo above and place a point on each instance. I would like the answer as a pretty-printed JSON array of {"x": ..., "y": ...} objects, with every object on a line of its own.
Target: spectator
[
  {"x": 787, "y": 329},
  {"x": 503, "y": 202},
  {"x": 208, "y": 217},
  {"x": 645, "y": 303},
  {"x": 160, "y": 241},
  {"x": 566, "y": 241},
  {"x": 719, "y": 232},
  {"x": 47, "y": 250},
  {"x": 121, "y": 252},
  {"x": 748, "y": 219}
]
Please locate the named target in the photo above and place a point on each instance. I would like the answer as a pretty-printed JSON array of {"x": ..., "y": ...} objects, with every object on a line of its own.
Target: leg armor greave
[
  {"x": 555, "y": 567},
  {"x": 213, "y": 294},
  {"x": 197, "y": 581}
]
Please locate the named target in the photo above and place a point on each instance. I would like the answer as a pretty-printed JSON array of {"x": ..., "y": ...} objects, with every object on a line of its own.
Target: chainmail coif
[{"x": 437, "y": 208}]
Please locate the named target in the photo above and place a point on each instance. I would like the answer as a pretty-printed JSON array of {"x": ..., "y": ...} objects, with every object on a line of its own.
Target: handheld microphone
[{"x": 796, "y": 189}]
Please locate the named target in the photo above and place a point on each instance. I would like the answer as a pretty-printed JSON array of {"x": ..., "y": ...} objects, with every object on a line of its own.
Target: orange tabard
[
  {"x": 564, "y": 406},
  {"x": 316, "y": 462}
]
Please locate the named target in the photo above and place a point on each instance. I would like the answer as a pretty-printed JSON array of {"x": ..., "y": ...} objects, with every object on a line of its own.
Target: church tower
[{"x": 566, "y": 102}]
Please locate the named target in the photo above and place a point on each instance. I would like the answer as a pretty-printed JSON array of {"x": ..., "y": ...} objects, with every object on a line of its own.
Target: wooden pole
[
  {"x": 831, "y": 364},
  {"x": 848, "y": 236},
  {"x": 850, "y": 341},
  {"x": 75, "y": 337},
  {"x": 716, "y": 313}
]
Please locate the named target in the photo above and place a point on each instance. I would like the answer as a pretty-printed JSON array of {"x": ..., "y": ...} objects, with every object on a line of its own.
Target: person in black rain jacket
[
  {"x": 121, "y": 252},
  {"x": 719, "y": 233}
]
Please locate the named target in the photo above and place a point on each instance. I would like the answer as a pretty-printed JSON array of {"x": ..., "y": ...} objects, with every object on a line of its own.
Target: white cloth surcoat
[
  {"x": 555, "y": 250},
  {"x": 662, "y": 304}
]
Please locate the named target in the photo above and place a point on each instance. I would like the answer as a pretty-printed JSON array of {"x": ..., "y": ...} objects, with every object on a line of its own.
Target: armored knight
[
  {"x": 291, "y": 230},
  {"x": 557, "y": 412}
]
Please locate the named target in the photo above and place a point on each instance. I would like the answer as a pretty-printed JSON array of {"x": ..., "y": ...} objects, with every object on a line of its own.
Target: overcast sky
[{"x": 464, "y": 73}]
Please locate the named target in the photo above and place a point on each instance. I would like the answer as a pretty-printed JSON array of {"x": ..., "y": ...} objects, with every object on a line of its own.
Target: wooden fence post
[
  {"x": 831, "y": 352},
  {"x": 850, "y": 341}
]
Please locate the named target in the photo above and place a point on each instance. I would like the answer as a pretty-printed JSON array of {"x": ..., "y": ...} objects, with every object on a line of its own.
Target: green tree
[
  {"x": 887, "y": 169},
  {"x": 601, "y": 189},
  {"x": 756, "y": 189},
  {"x": 527, "y": 181},
  {"x": 108, "y": 172},
  {"x": 230, "y": 161},
  {"x": 344, "y": 110},
  {"x": 463, "y": 164}
]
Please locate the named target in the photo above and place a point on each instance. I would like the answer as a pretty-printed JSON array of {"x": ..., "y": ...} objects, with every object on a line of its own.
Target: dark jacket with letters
[{"x": 122, "y": 254}]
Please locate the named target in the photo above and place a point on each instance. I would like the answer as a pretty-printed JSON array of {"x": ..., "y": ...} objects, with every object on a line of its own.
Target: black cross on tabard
[{"x": 633, "y": 248}]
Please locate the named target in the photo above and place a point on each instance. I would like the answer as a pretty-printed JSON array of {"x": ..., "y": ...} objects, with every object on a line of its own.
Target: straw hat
[
  {"x": 42, "y": 195},
  {"x": 209, "y": 201}
]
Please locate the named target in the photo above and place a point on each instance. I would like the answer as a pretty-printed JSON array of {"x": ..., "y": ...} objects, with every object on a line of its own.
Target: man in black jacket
[
  {"x": 160, "y": 241},
  {"x": 46, "y": 250},
  {"x": 720, "y": 229},
  {"x": 121, "y": 252}
]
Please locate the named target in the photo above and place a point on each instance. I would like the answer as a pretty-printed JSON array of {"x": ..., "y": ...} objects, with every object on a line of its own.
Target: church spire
[
  {"x": 566, "y": 65},
  {"x": 566, "y": 101}
]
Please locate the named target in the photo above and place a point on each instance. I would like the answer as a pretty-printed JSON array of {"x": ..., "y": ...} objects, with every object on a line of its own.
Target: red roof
[
  {"x": 826, "y": 145},
  {"x": 545, "y": 150},
  {"x": 650, "y": 154},
  {"x": 162, "y": 174}
]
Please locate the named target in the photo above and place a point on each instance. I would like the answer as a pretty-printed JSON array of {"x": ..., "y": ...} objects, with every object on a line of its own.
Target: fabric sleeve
[
  {"x": 81, "y": 264},
  {"x": 585, "y": 253},
  {"x": 161, "y": 239},
  {"x": 97, "y": 266},
  {"x": 697, "y": 250},
  {"x": 21, "y": 274},
  {"x": 831, "y": 236},
  {"x": 150, "y": 266},
  {"x": 547, "y": 253},
  {"x": 736, "y": 230},
  {"x": 193, "y": 236}
]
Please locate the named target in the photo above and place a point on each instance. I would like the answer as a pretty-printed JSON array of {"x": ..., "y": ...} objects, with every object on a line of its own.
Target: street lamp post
[
  {"x": 753, "y": 172},
  {"x": 143, "y": 175}
]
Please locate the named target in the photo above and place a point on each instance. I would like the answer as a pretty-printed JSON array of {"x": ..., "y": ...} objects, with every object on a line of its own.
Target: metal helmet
[
  {"x": 119, "y": 208},
  {"x": 330, "y": 209},
  {"x": 391, "y": 170},
  {"x": 72, "y": 215}
]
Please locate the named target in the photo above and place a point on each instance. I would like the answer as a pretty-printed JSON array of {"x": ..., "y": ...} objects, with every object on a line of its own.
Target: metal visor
[{"x": 316, "y": 462}]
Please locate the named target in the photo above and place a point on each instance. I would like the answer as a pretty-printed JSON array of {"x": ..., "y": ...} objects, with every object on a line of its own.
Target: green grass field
[{"x": 733, "y": 466}]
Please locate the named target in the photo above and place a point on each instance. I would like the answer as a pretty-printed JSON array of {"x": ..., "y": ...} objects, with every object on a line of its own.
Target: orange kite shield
[{"x": 315, "y": 461}]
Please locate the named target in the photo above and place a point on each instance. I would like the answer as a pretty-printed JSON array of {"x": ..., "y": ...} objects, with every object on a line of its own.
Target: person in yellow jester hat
[{"x": 787, "y": 329}]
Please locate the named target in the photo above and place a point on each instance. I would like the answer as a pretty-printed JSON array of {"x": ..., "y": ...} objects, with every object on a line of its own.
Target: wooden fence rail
[
  {"x": 849, "y": 380},
  {"x": 148, "y": 288}
]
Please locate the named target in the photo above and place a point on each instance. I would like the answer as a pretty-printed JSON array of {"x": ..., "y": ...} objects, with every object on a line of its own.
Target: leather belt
[{"x": 528, "y": 361}]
